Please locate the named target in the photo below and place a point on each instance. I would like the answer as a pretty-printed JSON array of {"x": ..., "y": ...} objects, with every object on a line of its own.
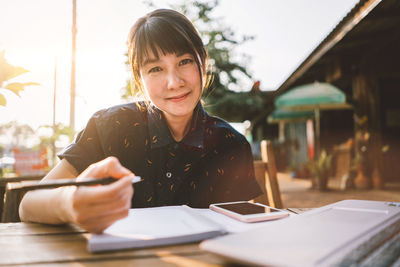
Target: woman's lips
[{"x": 179, "y": 97}]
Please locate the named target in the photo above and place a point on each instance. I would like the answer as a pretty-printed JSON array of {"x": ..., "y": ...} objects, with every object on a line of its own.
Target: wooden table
[{"x": 38, "y": 244}]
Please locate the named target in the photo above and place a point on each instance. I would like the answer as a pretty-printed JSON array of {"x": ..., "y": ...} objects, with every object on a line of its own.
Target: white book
[
  {"x": 345, "y": 233},
  {"x": 148, "y": 227}
]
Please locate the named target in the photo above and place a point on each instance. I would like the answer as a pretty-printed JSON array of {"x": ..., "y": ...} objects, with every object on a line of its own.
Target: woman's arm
[
  {"x": 49, "y": 206},
  {"x": 93, "y": 208},
  {"x": 62, "y": 170}
]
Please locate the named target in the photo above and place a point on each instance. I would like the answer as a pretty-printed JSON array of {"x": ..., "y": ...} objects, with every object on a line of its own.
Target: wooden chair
[
  {"x": 266, "y": 175},
  {"x": 4, "y": 183},
  {"x": 14, "y": 191}
]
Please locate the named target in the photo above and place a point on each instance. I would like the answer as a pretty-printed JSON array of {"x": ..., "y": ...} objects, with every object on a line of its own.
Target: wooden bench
[{"x": 266, "y": 175}]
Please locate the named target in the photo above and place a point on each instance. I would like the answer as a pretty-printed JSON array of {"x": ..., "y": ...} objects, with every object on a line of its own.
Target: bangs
[
  {"x": 165, "y": 31},
  {"x": 158, "y": 35}
]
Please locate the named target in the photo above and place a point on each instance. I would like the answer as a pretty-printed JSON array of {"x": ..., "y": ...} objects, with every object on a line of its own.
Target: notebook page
[{"x": 149, "y": 223}]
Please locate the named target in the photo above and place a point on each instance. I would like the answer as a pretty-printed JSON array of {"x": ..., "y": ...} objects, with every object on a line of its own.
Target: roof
[{"x": 370, "y": 26}]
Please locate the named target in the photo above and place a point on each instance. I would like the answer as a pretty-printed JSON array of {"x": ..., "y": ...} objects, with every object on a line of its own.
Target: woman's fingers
[
  {"x": 100, "y": 217},
  {"x": 91, "y": 201},
  {"x": 97, "y": 207},
  {"x": 106, "y": 193},
  {"x": 118, "y": 192},
  {"x": 105, "y": 168},
  {"x": 100, "y": 223}
]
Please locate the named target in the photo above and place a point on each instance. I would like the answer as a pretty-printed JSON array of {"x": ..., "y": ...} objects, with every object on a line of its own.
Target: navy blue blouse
[{"x": 212, "y": 163}]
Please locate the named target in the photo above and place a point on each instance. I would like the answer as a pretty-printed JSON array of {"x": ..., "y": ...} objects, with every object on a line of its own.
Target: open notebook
[
  {"x": 345, "y": 233},
  {"x": 168, "y": 225}
]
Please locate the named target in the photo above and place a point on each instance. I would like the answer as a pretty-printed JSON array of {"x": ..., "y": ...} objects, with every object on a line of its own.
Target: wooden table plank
[
  {"x": 39, "y": 244},
  {"x": 19, "y": 229},
  {"x": 203, "y": 260},
  {"x": 24, "y": 243}
]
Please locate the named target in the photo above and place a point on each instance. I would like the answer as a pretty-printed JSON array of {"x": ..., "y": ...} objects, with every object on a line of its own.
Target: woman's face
[{"x": 173, "y": 84}]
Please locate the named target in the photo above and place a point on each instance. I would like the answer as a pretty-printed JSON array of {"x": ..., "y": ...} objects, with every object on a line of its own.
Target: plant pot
[
  {"x": 321, "y": 183},
  {"x": 361, "y": 181}
]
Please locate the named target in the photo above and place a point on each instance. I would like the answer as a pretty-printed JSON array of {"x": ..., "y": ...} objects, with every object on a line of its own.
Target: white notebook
[
  {"x": 167, "y": 225},
  {"x": 326, "y": 236}
]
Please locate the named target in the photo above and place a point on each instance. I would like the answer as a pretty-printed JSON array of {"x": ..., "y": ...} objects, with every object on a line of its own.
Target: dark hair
[{"x": 169, "y": 32}]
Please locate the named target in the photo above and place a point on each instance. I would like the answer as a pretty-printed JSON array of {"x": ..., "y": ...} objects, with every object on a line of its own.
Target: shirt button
[
  {"x": 168, "y": 174},
  {"x": 176, "y": 146}
]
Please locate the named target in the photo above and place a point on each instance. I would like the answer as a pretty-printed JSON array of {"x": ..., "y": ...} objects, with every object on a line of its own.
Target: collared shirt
[{"x": 212, "y": 163}]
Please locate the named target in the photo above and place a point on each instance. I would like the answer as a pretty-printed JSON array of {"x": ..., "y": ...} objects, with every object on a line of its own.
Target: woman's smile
[{"x": 179, "y": 98}]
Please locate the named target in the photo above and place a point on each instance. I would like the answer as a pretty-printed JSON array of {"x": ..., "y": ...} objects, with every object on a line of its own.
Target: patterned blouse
[{"x": 212, "y": 163}]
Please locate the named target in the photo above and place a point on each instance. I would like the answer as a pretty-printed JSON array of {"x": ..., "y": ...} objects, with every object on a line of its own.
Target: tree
[
  {"x": 7, "y": 72},
  {"x": 59, "y": 132},
  {"x": 225, "y": 97},
  {"x": 18, "y": 135}
]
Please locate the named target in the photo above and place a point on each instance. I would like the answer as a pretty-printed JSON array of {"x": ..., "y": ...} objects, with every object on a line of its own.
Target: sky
[{"x": 37, "y": 36}]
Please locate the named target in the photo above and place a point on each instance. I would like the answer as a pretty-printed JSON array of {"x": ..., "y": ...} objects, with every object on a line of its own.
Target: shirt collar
[
  {"x": 195, "y": 136},
  {"x": 160, "y": 134},
  {"x": 158, "y": 130}
]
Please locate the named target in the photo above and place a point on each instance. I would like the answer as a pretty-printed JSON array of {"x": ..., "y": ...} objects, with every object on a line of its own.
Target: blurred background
[{"x": 317, "y": 78}]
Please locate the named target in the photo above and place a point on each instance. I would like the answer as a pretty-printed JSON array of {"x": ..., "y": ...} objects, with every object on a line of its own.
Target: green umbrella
[
  {"x": 313, "y": 97},
  {"x": 283, "y": 115}
]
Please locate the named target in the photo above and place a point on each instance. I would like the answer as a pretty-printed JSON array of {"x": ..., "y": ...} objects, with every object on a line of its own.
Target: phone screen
[{"x": 246, "y": 208}]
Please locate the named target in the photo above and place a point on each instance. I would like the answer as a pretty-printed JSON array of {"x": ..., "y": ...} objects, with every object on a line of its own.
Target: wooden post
[
  {"x": 53, "y": 141},
  {"x": 73, "y": 60},
  {"x": 368, "y": 139},
  {"x": 260, "y": 168},
  {"x": 2, "y": 191},
  {"x": 274, "y": 194},
  {"x": 317, "y": 133},
  {"x": 376, "y": 156}
]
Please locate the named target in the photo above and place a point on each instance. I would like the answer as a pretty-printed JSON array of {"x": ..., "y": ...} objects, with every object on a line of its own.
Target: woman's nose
[{"x": 174, "y": 80}]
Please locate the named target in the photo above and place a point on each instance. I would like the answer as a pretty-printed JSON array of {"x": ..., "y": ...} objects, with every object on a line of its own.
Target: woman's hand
[{"x": 94, "y": 208}]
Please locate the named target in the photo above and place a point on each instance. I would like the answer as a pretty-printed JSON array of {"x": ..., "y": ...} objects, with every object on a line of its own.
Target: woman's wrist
[{"x": 64, "y": 204}]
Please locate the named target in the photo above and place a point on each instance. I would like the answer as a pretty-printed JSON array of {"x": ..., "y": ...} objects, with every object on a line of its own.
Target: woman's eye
[
  {"x": 155, "y": 69},
  {"x": 185, "y": 61}
]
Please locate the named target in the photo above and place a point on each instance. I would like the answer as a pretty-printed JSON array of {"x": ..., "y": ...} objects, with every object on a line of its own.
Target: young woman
[{"x": 184, "y": 155}]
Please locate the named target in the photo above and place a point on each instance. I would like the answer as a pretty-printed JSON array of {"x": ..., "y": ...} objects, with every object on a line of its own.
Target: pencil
[{"x": 54, "y": 183}]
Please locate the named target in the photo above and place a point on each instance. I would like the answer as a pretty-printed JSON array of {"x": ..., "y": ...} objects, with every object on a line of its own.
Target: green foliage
[
  {"x": 58, "y": 134},
  {"x": 220, "y": 42},
  {"x": 8, "y": 72},
  {"x": 18, "y": 134},
  {"x": 60, "y": 130},
  {"x": 321, "y": 167},
  {"x": 224, "y": 97},
  {"x": 236, "y": 106},
  {"x": 321, "y": 170}
]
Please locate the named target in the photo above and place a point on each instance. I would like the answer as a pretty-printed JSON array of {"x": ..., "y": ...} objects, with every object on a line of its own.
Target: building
[{"x": 361, "y": 57}]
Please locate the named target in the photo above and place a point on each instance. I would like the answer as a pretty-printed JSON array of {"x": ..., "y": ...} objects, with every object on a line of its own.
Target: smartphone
[{"x": 248, "y": 212}]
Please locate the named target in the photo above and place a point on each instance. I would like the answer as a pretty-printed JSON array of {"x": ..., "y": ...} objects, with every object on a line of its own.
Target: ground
[{"x": 296, "y": 193}]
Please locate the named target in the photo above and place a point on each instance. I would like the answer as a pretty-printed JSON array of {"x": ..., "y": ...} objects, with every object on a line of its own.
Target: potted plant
[
  {"x": 321, "y": 169},
  {"x": 361, "y": 180}
]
